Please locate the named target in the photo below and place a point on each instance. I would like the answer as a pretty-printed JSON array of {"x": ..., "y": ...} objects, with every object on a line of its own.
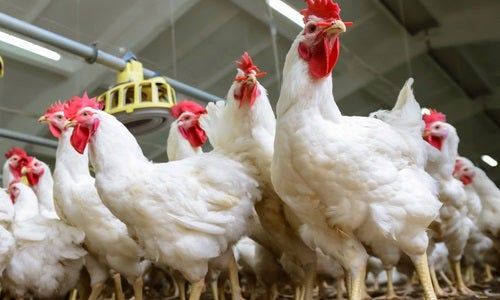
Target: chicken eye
[
  {"x": 312, "y": 28},
  {"x": 85, "y": 114},
  {"x": 437, "y": 127}
]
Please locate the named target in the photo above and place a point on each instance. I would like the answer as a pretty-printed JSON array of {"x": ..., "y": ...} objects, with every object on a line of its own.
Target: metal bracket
[{"x": 95, "y": 53}]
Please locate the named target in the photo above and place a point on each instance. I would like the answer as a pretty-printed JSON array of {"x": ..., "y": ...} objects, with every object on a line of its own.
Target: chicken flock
[{"x": 284, "y": 204}]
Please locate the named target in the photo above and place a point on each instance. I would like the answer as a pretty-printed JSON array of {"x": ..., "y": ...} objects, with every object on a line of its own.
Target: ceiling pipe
[
  {"x": 14, "y": 135},
  {"x": 91, "y": 54}
]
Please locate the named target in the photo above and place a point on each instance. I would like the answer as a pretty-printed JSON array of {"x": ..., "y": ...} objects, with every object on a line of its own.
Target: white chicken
[
  {"x": 106, "y": 237},
  {"x": 453, "y": 220},
  {"x": 7, "y": 241},
  {"x": 184, "y": 213},
  {"x": 11, "y": 167},
  {"x": 349, "y": 179},
  {"x": 185, "y": 140},
  {"x": 247, "y": 117},
  {"x": 185, "y": 137},
  {"x": 48, "y": 256},
  {"x": 483, "y": 206},
  {"x": 405, "y": 117},
  {"x": 40, "y": 179}
]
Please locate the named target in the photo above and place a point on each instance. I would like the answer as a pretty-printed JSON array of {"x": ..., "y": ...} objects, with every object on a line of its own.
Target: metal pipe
[
  {"x": 14, "y": 135},
  {"x": 92, "y": 54}
]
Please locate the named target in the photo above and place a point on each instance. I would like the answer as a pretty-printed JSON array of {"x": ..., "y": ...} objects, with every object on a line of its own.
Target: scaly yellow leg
[
  {"x": 487, "y": 271},
  {"x": 197, "y": 289},
  {"x": 96, "y": 291},
  {"x": 356, "y": 287},
  {"x": 234, "y": 279},
  {"x": 118, "y": 287},
  {"x": 73, "y": 295},
  {"x": 422, "y": 268},
  {"x": 215, "y": 289},
  {"x": 390, "y": 294},
  {"x": 461, "y": 287},
  {"x": 435, "y": 282},
  {"x": 138, "y": 285}
]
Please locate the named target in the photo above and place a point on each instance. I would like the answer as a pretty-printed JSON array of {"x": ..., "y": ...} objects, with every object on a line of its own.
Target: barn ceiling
[{"x": 450, "y": 48}]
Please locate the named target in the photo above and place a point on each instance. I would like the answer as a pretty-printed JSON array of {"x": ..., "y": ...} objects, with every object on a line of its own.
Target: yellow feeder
[
  {"x": 1, "y": 67},
  {"x": 142, "y": 105}
]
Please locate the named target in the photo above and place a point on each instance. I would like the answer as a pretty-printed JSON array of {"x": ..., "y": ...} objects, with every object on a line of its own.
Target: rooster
[
  {"x": 185, "y": 137},
  {"x": 184, "y": 213},
  {"x": 454, "y": 223},
  {"x": 251, "y": 132},
  {"x": 106, "y": 237},
  {"x": 351, "y": 180},
  {"x": 48, "y": 255}
]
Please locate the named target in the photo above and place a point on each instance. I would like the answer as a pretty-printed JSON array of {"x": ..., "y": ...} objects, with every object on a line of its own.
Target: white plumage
[
  {"x": 349, "y": 179},
  {"x": 183, "y": 213},
  {"x": 76, "y": 198},
  {"x": 48, "y": 256}
]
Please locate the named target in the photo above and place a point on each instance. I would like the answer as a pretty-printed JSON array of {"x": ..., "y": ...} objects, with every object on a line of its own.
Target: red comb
[
  {"x": 324, "y": 9},
  {"x": 187, "y": 105},
  {"x": 434, "y": 116},
  {"x": 246, "y": 65},
  {"x": 15, "y": 151},
  {"x": 57, "y": 106},
  {"x": 77, "y": 103}
]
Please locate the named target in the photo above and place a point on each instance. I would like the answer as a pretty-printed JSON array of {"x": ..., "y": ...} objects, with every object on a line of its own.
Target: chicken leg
[
  {"x": 138, "y": 285},
  {"x": 118, "y": 286},
  {"x": 197, "y": 289},
  {"x": 422, "y": 268},
  {"x": 96, "y": 291},
  {"x": 487, "y": 271},
  {"x": 234, "y": 279},
  {"x": 460, "y": 285}
]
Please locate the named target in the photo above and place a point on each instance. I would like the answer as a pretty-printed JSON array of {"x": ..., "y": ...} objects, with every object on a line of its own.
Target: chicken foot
[
  {"x": 460, "y": 285},
  {"x": 488, "y": 276},
  {"x": 422, "y": 268}
]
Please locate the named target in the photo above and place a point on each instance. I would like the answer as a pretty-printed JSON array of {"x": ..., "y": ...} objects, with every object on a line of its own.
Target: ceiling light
[
  {"x": 29, "y": 46},
  {"x": 489, "y": 160},
  {"x": 287, "y": 11}
]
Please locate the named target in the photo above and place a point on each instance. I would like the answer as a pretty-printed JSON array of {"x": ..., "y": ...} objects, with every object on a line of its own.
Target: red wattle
[
  {"x": 80, "y": 138},
  {"x": 324, "y": 57},
  {"x": 466, "y": 180},
  {"x": 56, "y": 132}
]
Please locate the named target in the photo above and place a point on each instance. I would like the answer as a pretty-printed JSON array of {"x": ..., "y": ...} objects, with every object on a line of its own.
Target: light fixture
[
  {"x": 287, "y": 11},
  {"x": 29, "y": 46},
  {"x": 490, "y": 161}
]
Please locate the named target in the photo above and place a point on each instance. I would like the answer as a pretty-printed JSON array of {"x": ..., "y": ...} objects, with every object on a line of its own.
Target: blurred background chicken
[{"x": 454, "y": 222}]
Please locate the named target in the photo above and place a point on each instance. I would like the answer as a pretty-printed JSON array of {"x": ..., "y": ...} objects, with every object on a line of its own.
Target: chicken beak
[
  {"x": 25, "y": 170},
  {"x": 337, "y": 27},
  {"x": 42, "y": 119},
  {"x": 69, "y": 123}
]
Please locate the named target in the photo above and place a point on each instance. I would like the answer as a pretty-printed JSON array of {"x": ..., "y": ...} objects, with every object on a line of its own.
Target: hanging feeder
[{"x": 142, "y": 105}]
